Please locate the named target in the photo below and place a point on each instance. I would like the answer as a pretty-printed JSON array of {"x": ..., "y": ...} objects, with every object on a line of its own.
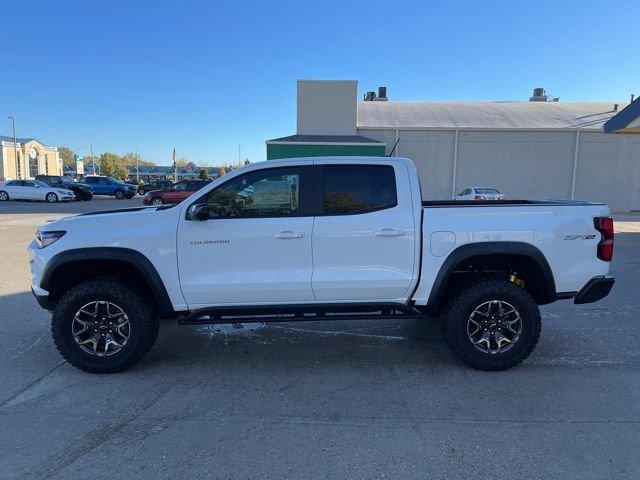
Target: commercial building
[
  {"x": 540, "y": 148},
  {"x": 150, "y": 173},
  {"x": 33, "y": 158}
]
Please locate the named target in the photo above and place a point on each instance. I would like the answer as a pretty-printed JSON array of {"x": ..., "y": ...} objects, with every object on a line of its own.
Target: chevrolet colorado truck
[{"x": 312, "y": 239}]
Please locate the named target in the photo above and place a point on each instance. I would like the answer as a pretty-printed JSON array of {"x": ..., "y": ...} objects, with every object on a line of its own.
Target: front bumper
[
  {"x": 596, "y": 289},
  {"x": 44, "y": 301}
]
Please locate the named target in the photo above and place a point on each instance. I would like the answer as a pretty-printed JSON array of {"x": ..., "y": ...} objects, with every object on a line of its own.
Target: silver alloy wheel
[
  {"x": 101, "y": 328},
  {"x": 494, "y": 326},
  {"x": 52, "y": 197},
  {"x": 157, "y": 201},
  {"x": 4, "y": 196}
]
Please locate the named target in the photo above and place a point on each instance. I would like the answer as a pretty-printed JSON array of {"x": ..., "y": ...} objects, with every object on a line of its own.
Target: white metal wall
[{"x": 523, "y": 164}]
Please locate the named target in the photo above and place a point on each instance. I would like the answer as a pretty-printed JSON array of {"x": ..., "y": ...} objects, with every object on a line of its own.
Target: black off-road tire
[
  {"x": 143, "y": 320},
  {"x": 461, "y": 305},
  {"x": 141, "y": 191},
  {"x": 87, "y": 196}
]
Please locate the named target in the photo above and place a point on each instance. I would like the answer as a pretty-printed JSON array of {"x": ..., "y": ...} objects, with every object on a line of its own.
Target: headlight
[{"x": 44, "y": 239}]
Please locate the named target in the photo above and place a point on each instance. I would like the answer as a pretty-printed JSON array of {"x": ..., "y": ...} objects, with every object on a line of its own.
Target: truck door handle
[
  {"x": 287, "y": 234},
  {"x": 389, "y": 232}
]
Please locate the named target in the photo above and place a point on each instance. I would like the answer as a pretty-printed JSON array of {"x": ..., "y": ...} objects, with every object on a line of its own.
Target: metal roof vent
[
  {"x": 382, "y": 94},
  {"x": 539, "y": 95}
]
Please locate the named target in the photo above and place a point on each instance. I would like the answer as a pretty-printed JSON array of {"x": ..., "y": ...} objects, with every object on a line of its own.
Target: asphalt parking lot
[{"x": 366, "y": 399}]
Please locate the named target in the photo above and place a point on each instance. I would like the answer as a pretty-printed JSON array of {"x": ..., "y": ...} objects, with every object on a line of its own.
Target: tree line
[{"x": 114, "y": 165}]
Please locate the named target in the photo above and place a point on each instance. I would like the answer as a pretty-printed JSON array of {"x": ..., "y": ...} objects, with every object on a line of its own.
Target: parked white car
[
  {"x": 480, "y": 193},
  {"x": 33, "y": 190}
]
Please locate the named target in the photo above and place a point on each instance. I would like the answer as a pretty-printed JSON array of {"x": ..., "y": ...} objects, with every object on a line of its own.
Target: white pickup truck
[{"x": 312, "y": 239}]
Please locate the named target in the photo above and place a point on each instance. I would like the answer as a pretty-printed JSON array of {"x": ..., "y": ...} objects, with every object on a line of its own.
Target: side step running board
[{"x": 300, "y": 313}]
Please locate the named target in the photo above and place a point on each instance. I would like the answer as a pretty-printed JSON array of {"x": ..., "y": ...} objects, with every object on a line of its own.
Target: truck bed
[{"x": 498, "y": 203}]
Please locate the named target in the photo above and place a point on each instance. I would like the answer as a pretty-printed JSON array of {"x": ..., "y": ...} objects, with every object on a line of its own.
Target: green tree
[
  {"x": 133, "y": 158},
  {"x": 113, "y": 165},
  {"x": 67, "y": 156},
  {"x": 204, "y": 175}
]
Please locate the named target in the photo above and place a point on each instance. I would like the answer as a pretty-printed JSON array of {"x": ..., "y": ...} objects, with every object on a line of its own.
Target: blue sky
[{"x": 207, "y": 76}]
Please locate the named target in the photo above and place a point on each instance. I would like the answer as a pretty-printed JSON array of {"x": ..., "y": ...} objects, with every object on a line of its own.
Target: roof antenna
[{"x": 393, "y": 149}]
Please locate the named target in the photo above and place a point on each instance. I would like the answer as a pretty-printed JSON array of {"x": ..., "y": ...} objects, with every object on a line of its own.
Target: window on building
[
  {"x": 266, "y": 193},
  {"x": 352, "y": 189}
]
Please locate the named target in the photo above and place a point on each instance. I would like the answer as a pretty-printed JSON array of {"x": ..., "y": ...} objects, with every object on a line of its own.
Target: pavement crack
[{"x": 31, "y": 385}]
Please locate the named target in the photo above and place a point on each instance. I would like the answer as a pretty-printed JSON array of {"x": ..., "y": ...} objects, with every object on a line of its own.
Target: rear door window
[{"x": 356, "y": 189}]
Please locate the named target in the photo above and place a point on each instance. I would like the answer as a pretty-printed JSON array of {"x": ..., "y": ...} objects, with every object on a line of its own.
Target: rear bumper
[{"x": 596, "y": 289}]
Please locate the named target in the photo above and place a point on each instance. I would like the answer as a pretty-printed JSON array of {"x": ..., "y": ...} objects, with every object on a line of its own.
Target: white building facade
[{"x": 528, "y": 149}]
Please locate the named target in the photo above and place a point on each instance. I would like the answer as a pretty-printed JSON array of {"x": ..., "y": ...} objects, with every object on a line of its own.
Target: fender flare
[
  {"x": 490, "y": 248},
  {"x": 139, "y": 261}
]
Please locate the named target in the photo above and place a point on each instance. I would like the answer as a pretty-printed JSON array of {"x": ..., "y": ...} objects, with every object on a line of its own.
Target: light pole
[
  {"x": 93, "y": 159},
  {"x": 15, "y": 148}
]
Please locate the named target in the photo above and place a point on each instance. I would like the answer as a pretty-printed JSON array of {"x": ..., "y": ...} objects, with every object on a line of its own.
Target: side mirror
[{"x": 198, "y": 212}]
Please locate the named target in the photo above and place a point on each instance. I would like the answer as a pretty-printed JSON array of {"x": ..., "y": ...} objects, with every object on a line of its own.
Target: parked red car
[{"x": 174, "y": 194}]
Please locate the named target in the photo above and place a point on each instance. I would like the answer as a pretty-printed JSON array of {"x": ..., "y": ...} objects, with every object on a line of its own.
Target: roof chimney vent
[
  {"x": 382, "y": 94},
  {"x": 539, "y": 95}
]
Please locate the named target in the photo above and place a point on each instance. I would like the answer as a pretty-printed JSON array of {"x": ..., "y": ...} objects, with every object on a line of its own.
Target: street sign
[{"x": 79, "y": 164}]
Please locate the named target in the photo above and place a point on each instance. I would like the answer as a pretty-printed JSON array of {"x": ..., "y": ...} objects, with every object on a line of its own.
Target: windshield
[
  {"x": 68, "y": 180},
  {"x": 113, "y": 180},
  {"x": 490, "y": 191},
  {"x": 42, "y": 184}
]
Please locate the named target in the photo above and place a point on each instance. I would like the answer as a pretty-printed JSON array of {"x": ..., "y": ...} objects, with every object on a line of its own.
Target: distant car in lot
[
  {"x": 480, "y": 193},
  {"x": 33, "y": 190},
  {"x": 157, "y": 185},
  {"x": 81, "y": 191},
  {"x": 110, "y": 186},
  {"x": 174, "y": 194}
]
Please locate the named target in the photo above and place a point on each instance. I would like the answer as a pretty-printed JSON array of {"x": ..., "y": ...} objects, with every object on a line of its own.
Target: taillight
[{"x": 605, "y": 247}]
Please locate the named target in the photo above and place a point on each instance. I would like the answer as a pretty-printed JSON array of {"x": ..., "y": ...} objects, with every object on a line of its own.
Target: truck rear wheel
[
  {"x": 491, "y": 324},
  {"x": 103, "y": 326}
]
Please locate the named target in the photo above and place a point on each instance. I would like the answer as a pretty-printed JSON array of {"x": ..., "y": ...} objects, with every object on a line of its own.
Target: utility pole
[
  {"x": 238, "y": 155},
  {"x": 15, "y": 148},
  {"x": 93, "y": 159},
  {"x": 137, "y": 167}
]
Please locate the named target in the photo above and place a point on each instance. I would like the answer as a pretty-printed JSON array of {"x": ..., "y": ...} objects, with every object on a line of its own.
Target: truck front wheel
[
  {"x": 103, "y": 326},
  {"x": 491, "y": 324}
]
